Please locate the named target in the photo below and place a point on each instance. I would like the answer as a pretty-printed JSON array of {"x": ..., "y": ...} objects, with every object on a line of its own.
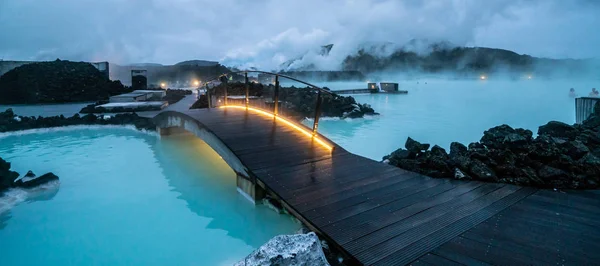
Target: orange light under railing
[{"x": 285, "y": 121}]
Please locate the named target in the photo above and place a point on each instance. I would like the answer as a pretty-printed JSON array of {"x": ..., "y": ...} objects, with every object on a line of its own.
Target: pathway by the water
[{"x": 378, "y": 214}]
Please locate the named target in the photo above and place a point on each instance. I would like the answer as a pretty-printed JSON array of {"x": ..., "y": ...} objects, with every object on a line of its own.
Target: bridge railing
[{"x": 268, "y": 99}]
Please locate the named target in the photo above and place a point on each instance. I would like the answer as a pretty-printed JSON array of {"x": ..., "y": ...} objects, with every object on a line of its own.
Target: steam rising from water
[{"x": 266, "y": 33}]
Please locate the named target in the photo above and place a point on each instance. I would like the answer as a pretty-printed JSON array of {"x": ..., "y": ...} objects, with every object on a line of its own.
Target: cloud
[{"x": 265, "y": 33}]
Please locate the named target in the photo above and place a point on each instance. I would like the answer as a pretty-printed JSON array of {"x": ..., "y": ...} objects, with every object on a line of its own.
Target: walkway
[{"x": 382, "y": 215}]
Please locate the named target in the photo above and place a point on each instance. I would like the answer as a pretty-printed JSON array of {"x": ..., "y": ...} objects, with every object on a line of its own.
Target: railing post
[
  {"x": 224, "y": 83},
  {"x": 208, "y": 97},
  {"x": 247, "y": 90},
  {"x": 276, "y": 96},
  {"x": 317, "y": 113}
]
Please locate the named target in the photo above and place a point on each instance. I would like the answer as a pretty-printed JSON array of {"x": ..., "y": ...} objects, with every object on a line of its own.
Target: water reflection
[{"x": 211, "y": 192}]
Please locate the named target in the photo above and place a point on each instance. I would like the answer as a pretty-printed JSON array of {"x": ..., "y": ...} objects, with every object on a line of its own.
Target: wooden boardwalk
[{"x": 382, "y": 215}]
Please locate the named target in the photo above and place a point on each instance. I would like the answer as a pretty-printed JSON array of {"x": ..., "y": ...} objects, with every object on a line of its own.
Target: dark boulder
[
  {"x": 494, "y": 137},
  {"x": 7, "y": 177},
  {"x": 575, "y": 149},
  {"x": 558, "y": 130},
  {"x": 415, "y": 146},
  {"x": 457, "y": 149},
  {"x": 34, "y": 181},
  {"x": 440, "y": 152},
  {"x": 481, "y": 171}
]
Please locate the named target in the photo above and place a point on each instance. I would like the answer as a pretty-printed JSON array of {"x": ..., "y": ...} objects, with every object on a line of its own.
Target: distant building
[
  {"x": 139, "y": 79},
  {"x": 387, "y": 86},
  {"x": 103, "y": 68},
  {"x": 373, "y": 87},
  {"x": 131, "y": 97}
]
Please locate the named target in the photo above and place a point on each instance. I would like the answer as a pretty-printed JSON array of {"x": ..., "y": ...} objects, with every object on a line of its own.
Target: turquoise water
[
  {"x": 442, "y": 111},
  {"x": 127, "y": 198}
]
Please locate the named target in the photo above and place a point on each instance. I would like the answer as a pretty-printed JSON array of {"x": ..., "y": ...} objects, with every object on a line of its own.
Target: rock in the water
[
  {"x": 302, "y": 249},
  {"x": 415, "y": 146},
  {"x": 33, "y": 181},
  {"x": 29, "y": 174},
  {"x": 7, "y": 177},
  {"x": 558, "y": 130}
]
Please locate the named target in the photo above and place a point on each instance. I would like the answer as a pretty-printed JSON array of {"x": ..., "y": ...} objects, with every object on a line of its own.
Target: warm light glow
[
  {"x": 483, "y": 77},
  {"x": 163, "y": 84},
  {"x": 196, "y": 83},
  {"x": 285, "y": 121}
]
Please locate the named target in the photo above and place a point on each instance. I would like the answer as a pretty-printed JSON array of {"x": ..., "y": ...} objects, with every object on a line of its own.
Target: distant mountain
[
  {"x": 425, "y": 56},
  {"x": 201, "y": 63}
]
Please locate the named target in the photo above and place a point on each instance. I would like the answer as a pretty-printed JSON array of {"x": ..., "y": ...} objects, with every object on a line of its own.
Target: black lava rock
[
  {"x": 33, "y": 181},
  {"x": 57, "y": 82},
  {"x": 561, "y": 156},
  {"x": 7, "y": 177}
]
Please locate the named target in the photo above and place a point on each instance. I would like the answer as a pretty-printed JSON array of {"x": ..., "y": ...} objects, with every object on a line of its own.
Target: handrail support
[
  {"x": 276, "y": 97},
  {"x": 247, "y": 90},
  {"x": 317, "y": 113}
]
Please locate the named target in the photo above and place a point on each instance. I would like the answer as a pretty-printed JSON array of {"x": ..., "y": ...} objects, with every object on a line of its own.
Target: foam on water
[
  {"x": 73, "y": 128},
  {"x": 14, "y": 196}
]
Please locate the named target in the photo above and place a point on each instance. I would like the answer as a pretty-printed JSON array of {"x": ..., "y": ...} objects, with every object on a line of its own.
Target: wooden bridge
[{"x": 377, "y": 214}]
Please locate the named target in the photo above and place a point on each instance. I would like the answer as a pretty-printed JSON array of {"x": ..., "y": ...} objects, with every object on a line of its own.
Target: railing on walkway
[{"x": 273, "y": 105}]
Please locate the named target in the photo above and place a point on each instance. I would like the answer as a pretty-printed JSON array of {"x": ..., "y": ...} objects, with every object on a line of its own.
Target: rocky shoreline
[
  {"x": 562, "y": 156},
  {"x": 298, "y": 102},
  {"x": 11, "y": 122}
]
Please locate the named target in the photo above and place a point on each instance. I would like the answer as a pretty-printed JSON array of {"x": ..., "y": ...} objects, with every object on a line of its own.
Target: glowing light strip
[{"x": 285, "y": 121}]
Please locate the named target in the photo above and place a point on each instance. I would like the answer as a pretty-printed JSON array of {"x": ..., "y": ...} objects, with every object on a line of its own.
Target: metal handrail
[
  {"x": 270, "y": 73},
  {"x": 276, "y": 92}
]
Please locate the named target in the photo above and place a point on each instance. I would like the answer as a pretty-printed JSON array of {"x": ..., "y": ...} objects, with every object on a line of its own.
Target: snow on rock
[{"x": 300, "y": 249}]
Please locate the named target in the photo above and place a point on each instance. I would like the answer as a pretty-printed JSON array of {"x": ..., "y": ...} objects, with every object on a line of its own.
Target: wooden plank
[
  {"x": 490, "y": 255},
  {"x": 456, "y": 255},
  {"x": 418, "y": 213},
  {"x": 434, "y": 259},
  {"x": 551, "y": 244},
  {"x": 343, "y": 199},
  {"x": 376, "y": 247},
  {"x": 429, "y": 236}
]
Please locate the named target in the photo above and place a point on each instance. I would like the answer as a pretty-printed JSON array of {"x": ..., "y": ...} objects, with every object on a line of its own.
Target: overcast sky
[{"x": 265, "y": 33}]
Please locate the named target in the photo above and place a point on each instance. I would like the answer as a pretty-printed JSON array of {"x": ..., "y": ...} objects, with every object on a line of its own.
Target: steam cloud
[{"x": 266, "y": 33}]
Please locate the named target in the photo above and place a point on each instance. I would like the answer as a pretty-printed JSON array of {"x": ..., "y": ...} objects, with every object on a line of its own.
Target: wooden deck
[{"x": 382, "y": 215}]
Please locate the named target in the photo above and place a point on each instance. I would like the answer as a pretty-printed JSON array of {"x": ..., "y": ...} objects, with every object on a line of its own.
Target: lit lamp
[
  {"x": 196, "y": 83},
  {"x": 483, "y": 77},
  {"x": 163, "y": 85}
]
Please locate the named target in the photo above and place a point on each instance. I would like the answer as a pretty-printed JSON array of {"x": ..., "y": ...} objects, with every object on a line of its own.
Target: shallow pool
[{"x": 127, "y": 198}]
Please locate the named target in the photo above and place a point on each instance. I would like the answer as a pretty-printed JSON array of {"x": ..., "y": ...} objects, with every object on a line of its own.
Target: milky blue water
[
  {"x": 127, "y": 198},
  {"x": 442, "y": 111}
]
